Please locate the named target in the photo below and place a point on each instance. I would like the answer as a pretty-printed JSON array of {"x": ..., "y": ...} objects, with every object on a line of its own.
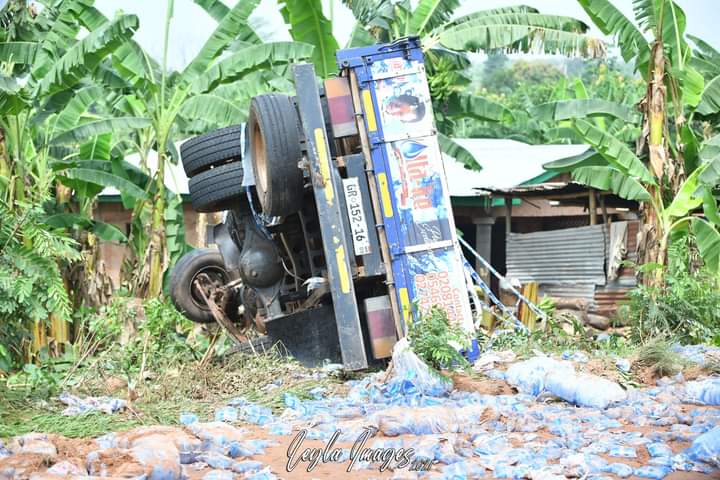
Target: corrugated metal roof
[
  {"x": 509, "y": 163},
  {"x": 567, "y": 256}
]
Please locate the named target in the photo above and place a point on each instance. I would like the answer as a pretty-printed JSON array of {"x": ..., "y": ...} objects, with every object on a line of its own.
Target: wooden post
[
  {"x": 592, "y": 206},
  {"x": 603, "y": 209},
  {"x": 508, "y": 215},
  {"x": 483, "y": 244}
]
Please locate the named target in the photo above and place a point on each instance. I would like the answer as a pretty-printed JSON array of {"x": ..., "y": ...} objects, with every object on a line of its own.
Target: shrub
[
  {"x": 685, "y": 307},
  {"x": 658, "y": 355},
  {"x": 434, "y": 339},
  {"x": 160, "y": 333},
  {"x": 31, "y": 283}
]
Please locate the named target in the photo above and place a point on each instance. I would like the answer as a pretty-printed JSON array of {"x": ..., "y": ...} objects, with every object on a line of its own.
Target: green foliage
[
  {"x": 447, "y": 39},
  {"x": 569, "y": 109},
  {"x": 43, "y": 379},
  {"x": 611, "y": 21},
  {"x": 434, "y": 339},
  {"x": 459, "y": 153},
  {"x": 232, "y": 26},
  {"x": 160, "y": 334},
  {"x": 519, "y": 31},
  {"x": 613, "y": 180},
  {"x": 554, "y": 338},
  {"x": 708, "y": 241},
  {"x": 616, "y": 152},
  {"x": 87, "y": 53},
  {"x": 31, "y": 283},
  {"x": 685, "y": 307},
  {"x": 536, "y": 78},
  {"x": 657, "y": 354},
  {"x": 542, "y": 94},
  {"x": 24, "y": 420},
  {"x": 309, "y": 25}
]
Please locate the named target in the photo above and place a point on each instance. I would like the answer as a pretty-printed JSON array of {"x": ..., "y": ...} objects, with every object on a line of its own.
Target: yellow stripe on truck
[
  {"x": 369, "y": 110},
  {"x": 324, "y": 165},
  {"x": 405, "y": 305},
  {"x": 385, "y": 195},
  {"x": 343, "y": 269}
]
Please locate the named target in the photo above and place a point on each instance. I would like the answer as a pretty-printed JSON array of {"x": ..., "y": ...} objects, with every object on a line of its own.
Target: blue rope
[
  {"x": 487, "y": 265},
  {"x": 484, "y": 287}
]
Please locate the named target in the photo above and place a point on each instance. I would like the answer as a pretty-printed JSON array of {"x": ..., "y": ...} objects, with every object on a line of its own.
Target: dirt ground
[{"x": 120, "y": 461}]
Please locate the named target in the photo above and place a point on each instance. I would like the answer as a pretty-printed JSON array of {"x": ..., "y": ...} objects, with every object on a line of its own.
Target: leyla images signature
[{"x": 385, "y": 458}]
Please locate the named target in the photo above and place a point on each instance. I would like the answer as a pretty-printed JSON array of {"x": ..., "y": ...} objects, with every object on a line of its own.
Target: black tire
[
  {"x": 217, "y": 189},
  {"x": 274, "y": 133},
  {"x": 215, "y": 148},
  {"x": 186, "y": 298}
]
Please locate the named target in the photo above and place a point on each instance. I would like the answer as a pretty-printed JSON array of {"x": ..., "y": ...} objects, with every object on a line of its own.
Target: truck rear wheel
[
  {"x": 275, "y": 149},
  {"x": 212, "y": 149},
  {"x": 216, "y": 189},
  {"x": 183, "y": 293}
]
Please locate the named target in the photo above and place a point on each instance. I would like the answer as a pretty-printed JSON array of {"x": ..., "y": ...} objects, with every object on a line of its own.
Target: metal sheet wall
[{"x": 567, "y": 256}]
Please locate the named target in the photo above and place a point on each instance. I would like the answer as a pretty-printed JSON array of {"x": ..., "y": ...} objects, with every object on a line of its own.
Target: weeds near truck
[
  {"x": 159, "y": 378},
  {"x": 434, "y": 339}
]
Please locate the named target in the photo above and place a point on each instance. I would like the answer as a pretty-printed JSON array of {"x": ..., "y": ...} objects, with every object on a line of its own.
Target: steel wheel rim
[{"x": 217, "y": 276}]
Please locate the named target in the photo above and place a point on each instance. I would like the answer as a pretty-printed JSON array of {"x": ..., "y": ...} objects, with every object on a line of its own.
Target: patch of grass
[
  {"x": 171, "y": 388},
  {"x": 554, "y": 338},
  {"x": 20, "y": 414},
  {"x": 657, "y": 354},
  {"x": 87, "y": 425}
]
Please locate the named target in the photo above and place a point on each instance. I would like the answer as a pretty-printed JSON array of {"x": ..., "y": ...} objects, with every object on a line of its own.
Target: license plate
[{"x": 356, "y": 213}]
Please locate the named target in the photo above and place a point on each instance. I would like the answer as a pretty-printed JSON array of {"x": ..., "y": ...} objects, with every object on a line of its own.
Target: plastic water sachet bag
[
  {"x": 584, "y": 390},
  {"x": 706, "y": 447},
  {"x": 408, "y": 367},
  {"x": 529, "y": 376},
  {"x": 704, "y": 392}
]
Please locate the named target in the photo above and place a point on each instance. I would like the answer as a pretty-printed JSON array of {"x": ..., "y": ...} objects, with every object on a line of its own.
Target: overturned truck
[{"x": 338, "y": 229}]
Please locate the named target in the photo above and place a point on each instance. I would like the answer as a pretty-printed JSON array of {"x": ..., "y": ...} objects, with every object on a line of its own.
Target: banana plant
[
  {"x": 611, "y": 165},
  {"x": 446, "y": 41},
  {"x": 44, "y": 111},
  {"x": 52, "y": 131},
  {"x": 211, "y": 90},
  {"x": 674, "y": 90}
]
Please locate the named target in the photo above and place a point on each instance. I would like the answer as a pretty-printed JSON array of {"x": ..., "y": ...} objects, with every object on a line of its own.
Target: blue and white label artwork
[
  {"x": 404, "y": 101},
  {"x": 393, "y": 67},
  {"x": 426, "y": 257},
  {"x": 438, "y": 280},
  {"x": 416, "y": 170}
]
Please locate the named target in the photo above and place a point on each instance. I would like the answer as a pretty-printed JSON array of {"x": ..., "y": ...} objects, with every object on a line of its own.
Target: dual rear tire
[{"x": 213, "y": 161}]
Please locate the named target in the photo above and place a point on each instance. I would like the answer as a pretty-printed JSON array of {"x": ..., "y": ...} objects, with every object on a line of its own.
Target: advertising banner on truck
[{"x": 425, "y": 255}]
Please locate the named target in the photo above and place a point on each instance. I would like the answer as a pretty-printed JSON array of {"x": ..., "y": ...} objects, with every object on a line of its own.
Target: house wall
[
  {"x": 113, "y": 253},
  {"x": 538, "y": 215}
]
